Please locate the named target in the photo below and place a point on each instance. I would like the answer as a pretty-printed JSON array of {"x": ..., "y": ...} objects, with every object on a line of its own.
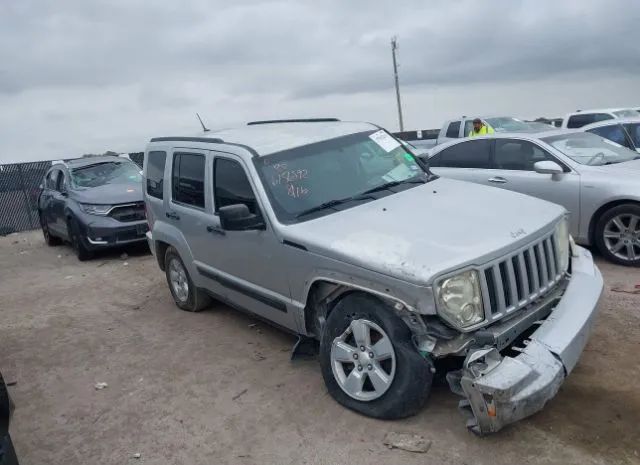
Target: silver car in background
[
  {"x": 625, "y": 132},
  {"x": 595, "y": 179}
]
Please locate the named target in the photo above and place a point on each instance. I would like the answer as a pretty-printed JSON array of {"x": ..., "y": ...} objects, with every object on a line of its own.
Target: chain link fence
[{"x": 19, "y": 190}]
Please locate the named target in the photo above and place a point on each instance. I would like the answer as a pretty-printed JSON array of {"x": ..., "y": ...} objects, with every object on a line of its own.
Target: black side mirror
[{"x": 238, "y": 218}]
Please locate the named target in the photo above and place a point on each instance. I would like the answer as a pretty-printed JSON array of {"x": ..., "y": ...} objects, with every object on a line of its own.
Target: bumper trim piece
[{"x": 502, "y": 390}]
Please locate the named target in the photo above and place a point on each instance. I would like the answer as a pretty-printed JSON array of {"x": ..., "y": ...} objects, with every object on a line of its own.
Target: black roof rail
[
  {"x": 212, "y": 140},
  {"x": 305, "y": 120}
]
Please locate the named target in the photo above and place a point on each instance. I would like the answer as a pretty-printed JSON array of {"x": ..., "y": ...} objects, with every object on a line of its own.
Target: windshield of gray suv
[
  {"x": 590, "y": 149},
  {"x": 338, "y": 173},
  {"x": 110, "y": 172}
]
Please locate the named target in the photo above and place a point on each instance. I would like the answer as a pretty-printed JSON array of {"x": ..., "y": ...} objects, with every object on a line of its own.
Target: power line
[{"x": 394, "y": 47}]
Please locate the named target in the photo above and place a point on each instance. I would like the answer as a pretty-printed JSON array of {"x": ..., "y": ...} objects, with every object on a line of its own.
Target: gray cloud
[{"x": 115, "y": 72}]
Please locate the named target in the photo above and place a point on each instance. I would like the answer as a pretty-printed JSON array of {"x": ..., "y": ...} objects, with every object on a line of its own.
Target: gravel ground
[{"x": 218, "y": 386}]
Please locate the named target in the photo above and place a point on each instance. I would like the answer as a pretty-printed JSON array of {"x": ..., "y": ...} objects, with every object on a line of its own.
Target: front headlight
[
  {"x": 562, "y": 244},
  {"x": 460, "y": 300},
  {"x": 94, "y": 209}
]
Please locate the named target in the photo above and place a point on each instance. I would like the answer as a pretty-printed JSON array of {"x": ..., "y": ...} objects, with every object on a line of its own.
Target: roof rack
[{"x": 306, "y": 120}]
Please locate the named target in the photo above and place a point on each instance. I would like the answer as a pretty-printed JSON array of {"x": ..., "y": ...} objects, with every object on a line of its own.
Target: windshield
[
  {"x": 626, "y": 113},
  {"x": 110, "y": 172},
  {"x": 315, "y": 176},
  {"x": 589, "y": 149},
  {"x": 507, "y": 124}
]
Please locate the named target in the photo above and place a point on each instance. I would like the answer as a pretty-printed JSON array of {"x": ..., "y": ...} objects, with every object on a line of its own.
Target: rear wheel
[
  {"x": 185, "y": 294},
  {"x": 618, "y": 235},
  {"x": 368, "y": 361},
  {"x": 49, "y": 239},
  {"x": 77, "y": 242}
]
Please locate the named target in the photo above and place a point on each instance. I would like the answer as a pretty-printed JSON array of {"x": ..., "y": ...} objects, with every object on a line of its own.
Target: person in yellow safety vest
[{"x": 480, "y": 129}]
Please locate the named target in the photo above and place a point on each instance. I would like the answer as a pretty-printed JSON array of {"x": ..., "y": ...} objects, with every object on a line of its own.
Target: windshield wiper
[
  {"x": 330, "y": 204},
  {"x": 390, "y": 184}
]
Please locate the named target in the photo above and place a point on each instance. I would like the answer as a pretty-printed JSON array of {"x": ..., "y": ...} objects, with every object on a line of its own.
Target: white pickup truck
[{"x": 458, "y": 128}]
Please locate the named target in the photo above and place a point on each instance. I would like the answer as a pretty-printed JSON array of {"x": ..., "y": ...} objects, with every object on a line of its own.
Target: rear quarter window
[
  {"x": 156, "y": 161},
  {"x": 454, "y": 130}
]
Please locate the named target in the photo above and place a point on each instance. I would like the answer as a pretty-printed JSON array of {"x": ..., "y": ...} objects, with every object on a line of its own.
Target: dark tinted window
[
  {"x": 613, "y": 132},
  {"x": 155, "y": 173},
  {"x": 633, "y": 129},
  {"x": 472, "y": 154},
  {"x": 512, "y": 154},
  {"x": 577, "y": 121},
  {"x": 232, "y": 186},
  {"x": 454, "y": 130},
  {"x": 188, "y": 179}
]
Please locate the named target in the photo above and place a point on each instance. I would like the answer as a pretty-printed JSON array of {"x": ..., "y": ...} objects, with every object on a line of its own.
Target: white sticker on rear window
[{"x": 385, "y": 141}]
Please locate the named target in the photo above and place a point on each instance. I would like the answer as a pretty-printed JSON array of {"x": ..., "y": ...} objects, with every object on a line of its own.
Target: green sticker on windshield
[{"x": 408, "y": 157}]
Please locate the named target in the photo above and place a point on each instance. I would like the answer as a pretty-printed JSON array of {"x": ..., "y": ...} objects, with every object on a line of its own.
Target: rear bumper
[{"x": 502, "y": 390}]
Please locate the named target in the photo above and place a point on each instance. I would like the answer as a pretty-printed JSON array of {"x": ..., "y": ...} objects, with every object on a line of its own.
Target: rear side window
[
  {"x": 232, "y": 186},
  {"x": 613, "y": 132},
  {"x": 155, "y": 173},
  {"x": 188, "y": 179},
  {"x": 454, "y": 130},
  {"x": 471, "y": 154},
  {"x": 513, "y": 154},
  {"x": 577, "y": 121}
]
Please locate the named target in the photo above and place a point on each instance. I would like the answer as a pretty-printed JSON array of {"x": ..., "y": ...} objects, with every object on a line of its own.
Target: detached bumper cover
[{"x": 502, "y": 390}]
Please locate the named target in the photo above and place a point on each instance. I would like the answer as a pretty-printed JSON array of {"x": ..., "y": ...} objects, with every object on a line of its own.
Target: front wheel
[
  {"x": 368, "y": 361},
  {"x": 77, "y": 242},
  {"x": 618, "y": 235}
]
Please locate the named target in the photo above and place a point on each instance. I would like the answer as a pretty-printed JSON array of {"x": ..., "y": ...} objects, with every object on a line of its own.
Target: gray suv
[{"x": 336, "y": 231}]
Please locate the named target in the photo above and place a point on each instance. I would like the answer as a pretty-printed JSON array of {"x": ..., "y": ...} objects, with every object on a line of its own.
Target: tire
[
  {"x": 49, "y": 239},
  {"x": 184, "y": 293},
  {"x": 617, "y": 234},
  {"x": 410, "y": 378},
  {"x": 77, "y": 242}
]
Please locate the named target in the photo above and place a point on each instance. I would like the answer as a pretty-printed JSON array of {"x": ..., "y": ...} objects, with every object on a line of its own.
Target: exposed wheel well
[
  {"x": 322, "y": 297},
  {"x": 600, "y": 211},
  {"x": 161, "y": 250}
]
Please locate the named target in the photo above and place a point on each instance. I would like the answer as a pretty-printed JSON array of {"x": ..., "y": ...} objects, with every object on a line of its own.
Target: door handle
[
  {"x": 498, "y": 180},
  {"x": 173, "y": 216},
  {"x": 216, "y": 230}
]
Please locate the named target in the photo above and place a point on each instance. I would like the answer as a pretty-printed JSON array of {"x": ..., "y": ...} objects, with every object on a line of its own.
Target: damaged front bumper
[{"x": 500, "y": 390}]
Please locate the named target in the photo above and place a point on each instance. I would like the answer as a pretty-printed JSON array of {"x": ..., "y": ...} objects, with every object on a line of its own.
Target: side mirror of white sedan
[{"x": 547, "y": 167}]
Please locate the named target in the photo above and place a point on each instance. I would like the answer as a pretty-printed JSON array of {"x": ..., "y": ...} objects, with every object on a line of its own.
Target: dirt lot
[{"x": 213, "y": 388}]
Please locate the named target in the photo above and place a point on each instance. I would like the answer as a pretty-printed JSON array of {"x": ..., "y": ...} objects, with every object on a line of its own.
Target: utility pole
[{"x": 394, "y": 47}]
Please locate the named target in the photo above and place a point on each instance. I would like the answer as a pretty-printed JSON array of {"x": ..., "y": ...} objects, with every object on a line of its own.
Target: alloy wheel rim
[
  {"x": 622, "y": 236},
  {"x": 363, "y": 360},
  {"x": 179, "y": 281}
]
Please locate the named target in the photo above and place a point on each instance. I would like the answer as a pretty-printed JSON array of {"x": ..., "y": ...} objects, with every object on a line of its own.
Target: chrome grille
[
  {"x": 128, "y": 212},
  {"x": 514, "y": 281}
]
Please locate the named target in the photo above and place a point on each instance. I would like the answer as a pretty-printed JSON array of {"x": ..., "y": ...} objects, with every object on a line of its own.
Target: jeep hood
[{"x": 423, "y": 231}]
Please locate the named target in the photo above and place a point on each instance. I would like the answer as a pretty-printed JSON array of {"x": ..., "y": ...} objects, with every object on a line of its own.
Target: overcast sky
[{"x": 79, "y": 76}]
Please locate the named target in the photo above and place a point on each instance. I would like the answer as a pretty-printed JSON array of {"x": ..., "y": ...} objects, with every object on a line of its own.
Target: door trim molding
[{"x": 243, "y": 289}]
